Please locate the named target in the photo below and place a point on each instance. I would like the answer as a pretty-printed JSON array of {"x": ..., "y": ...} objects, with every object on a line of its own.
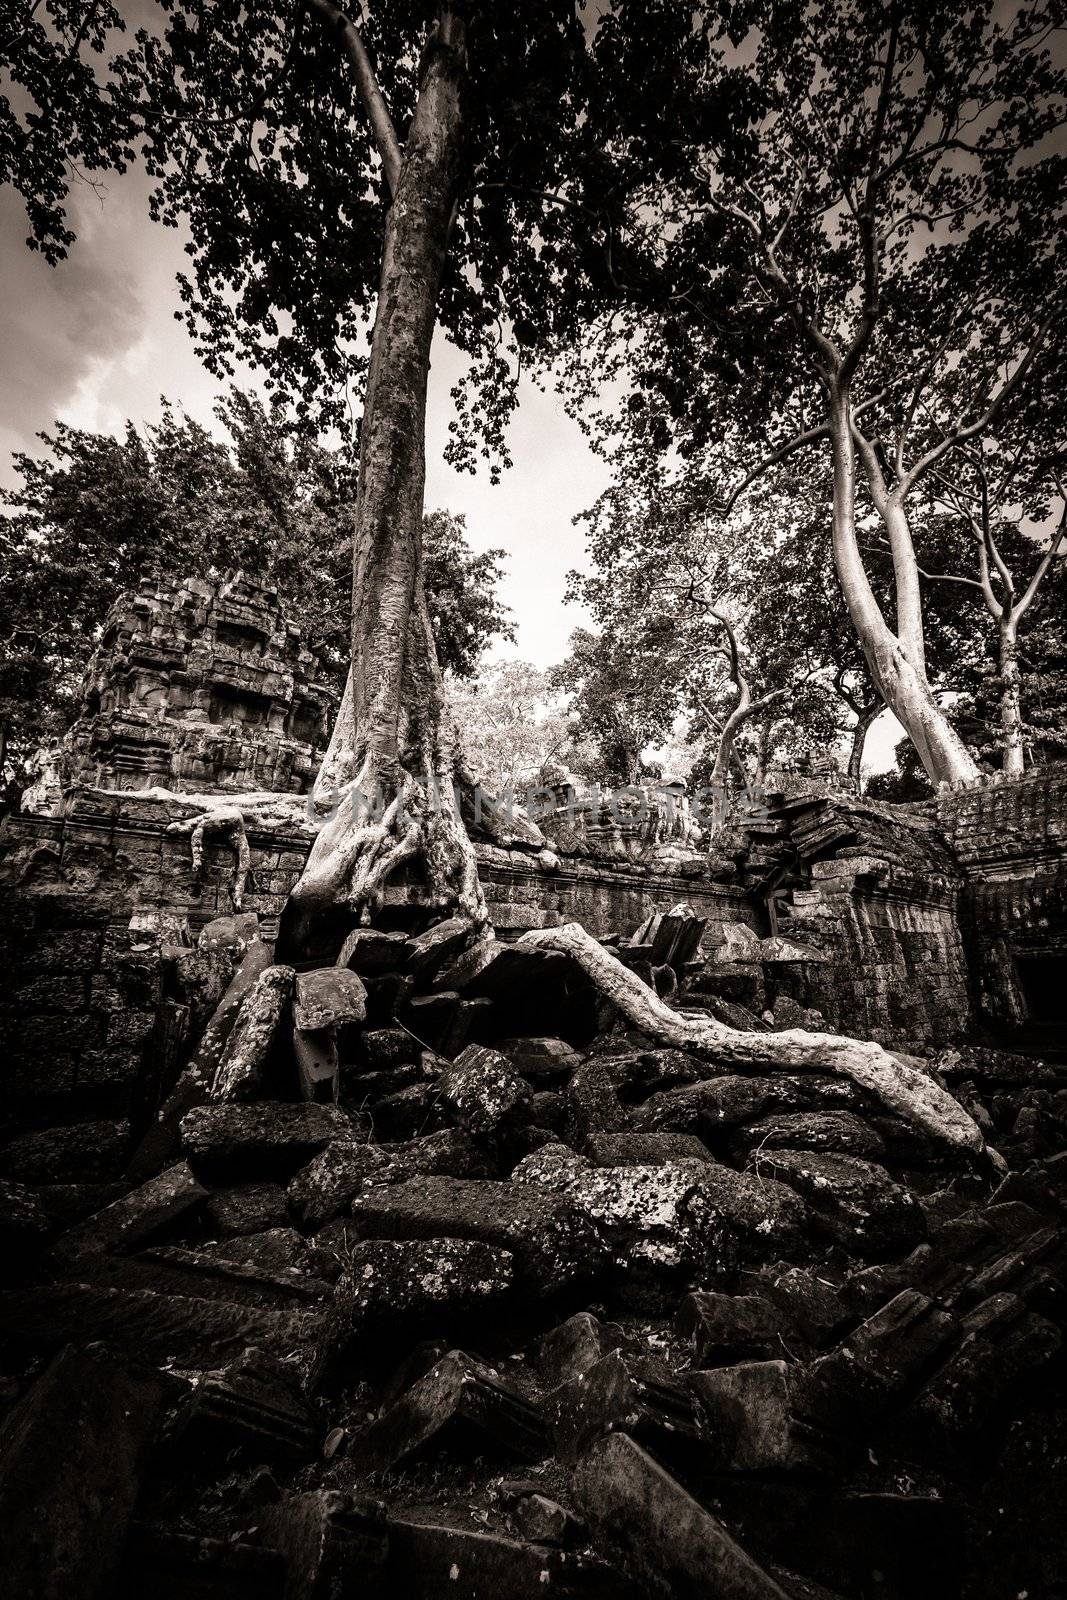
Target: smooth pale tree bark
[
  {"x": 906, "y": 1090},
  {"x": 388, "y": 781},
  {"x": 746, "y": 708},
  {"x": 865, "y": 719}
]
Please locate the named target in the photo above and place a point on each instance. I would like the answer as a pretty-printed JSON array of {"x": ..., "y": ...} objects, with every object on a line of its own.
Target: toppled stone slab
[
  {"x": 252, "y": 1405},
  {"x": 721, "y": 1328},
  {"x": 574, "y": 1346},
  {"x": 242, "y": 1068},
  {"x": 318, "y": 1065},
  {"x": 838, "y": 1132},
  {"x": 541, "y": 1058},
  {"x": 393, "y": 1283},
  {"x": 163, "y": 1329},
  {"x": 644, "y": 1211},
  {"x": 434, "y": 1561},
  {"x": 644, "y": 1149},
  {"x": 718, "y": 1105},
  {"x": 247, "y": 1208},
  {"x": 554, "y": 1243},
  {"x": 328, "y": 997},
  {"x": 24, "y": 1222},
  {"x": 623, "y": 1392},
  {"x": 856, "y": 1201},
  {"x": 322, "y": 1189},
  {"x": 83, "y": 1153},
  {"x": 333, "y": 1544},
  {"x": 71, "y": 1462},
  {"x": 667, "y": 1541},
  {"x": 269, "y": 1139},
  {"x": 748, "y": 1413},
  {"x": 482, "y": 1091},
  {"x": 428, "y": 951},
  {"x": 137, "y": 1216},
  {"x": 464, "y": 1397},
  {"x": 370, "y": 951}
]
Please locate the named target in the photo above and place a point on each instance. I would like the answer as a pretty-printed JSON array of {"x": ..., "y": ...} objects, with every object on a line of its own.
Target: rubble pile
[{"x": 430, "y": 1278}]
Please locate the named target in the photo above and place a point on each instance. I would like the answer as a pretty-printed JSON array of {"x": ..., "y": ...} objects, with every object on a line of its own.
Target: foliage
[
  {"x": 92, "y": 514},
  {"x": 829, "y": 200},
  {"x": 514, "y": 725}
]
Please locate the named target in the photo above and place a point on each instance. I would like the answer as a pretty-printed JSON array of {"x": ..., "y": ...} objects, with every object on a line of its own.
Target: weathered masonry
[{"x": 914, "y": 925}]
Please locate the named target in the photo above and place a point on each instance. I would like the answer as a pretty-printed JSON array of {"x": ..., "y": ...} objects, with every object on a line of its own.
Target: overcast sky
[{"x": 94, "y": 341}]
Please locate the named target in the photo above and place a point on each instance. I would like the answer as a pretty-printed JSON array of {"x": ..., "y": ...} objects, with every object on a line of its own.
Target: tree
[
  {"x": 92, "y": 513},
  {"x": 839, "y": 234},
  {"x": 513, "y": 726},
  {"x": 729, "y": 623}
]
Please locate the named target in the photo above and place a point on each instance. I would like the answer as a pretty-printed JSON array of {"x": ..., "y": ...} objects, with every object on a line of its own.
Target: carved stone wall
[
  {"x": 200, "y": 686},
  {"x": 1010, "y": 840}
]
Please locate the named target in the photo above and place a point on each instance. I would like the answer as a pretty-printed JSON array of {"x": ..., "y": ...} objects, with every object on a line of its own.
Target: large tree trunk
[
  {"x": 900, "y": 680},
  {"x": 1013, "y": 748},
  {"x": 864, "y": 721},
  {"x": 388, "y": 781}
]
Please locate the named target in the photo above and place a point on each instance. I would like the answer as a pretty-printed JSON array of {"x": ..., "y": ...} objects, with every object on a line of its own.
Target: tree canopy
[{"x": 91, "y": 514}]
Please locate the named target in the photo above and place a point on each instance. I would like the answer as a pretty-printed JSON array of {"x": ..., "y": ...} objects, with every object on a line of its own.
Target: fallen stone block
[
  {"x": 86, "y": 1152},
  {"x": 164, "y": 1329},
  {"x": 321, "y": 1190},
  {"x": 429, "y": 1561},
  {"x": 1003, "y": 1345},
  {"x": 394, "y": 1283},
  {"x": 328, "y": 997},
  {"x": 202, "y": 1274},
  {"x": 252, "y": 1405},
  {"x": 448, "y": 1153},
  {"x": 429, "y": 951},
  {"x": 722, "y": 1328},
  {"x": 246, "y": 1209},
  {"x": 128, "y": 1222},
  {"x": 812, "y": 1305},
  {"x": 645, "y": 1212},
  {"x": 881, "y": 1363},
  {"x": 748, "y": 1415},
  {"x": 25, "y": 1224},
  {"x": 839, "y": 1132},
  {"x": 623, "y": 1392},
  {"x": 575, "y": 1346},
  {"x": 318, "y": 1069},
  {"x": 856, "y": 1202},
  {"x": 664, "y": 1538},
  {"x": 593, "y": 1104},
  {"x": 482, "y": 1092},
  {"x": 555, "y": 1243},
  {"x": 541, "y": 1520},
  {"x": 267, "y": 1140},
  {"x": 382, "y": 1048},
  {"x": 176, "y": 1566},
  {"x": 644, "y": 1149},
  {"x": 194, "y": 1086},
  {"x": 242, "y": 1069},
  {"x": 333, "y": 1544},
  {"x": 407, "y": 1114},
  {"x": 717, "y": 1106},
  {"x": 370, "y": 951},
  {"x": 71, "y": 1461},
  {"x": 541, "y": 1060},
  {"x": 460, "y": 1402}
]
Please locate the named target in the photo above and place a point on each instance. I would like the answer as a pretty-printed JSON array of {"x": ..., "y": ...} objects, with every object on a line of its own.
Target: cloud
[{"x": 59, "y": 324}]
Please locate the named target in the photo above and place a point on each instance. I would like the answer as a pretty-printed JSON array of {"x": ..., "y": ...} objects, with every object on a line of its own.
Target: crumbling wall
[{"x": 1010, "y": 839}]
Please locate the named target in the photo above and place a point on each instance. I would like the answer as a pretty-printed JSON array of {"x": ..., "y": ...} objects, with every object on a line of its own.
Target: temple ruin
[{"x": 429, "y": 1273}]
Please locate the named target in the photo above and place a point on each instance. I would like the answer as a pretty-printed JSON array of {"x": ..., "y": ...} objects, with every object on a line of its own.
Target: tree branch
[{"x": 369, "y": 92}]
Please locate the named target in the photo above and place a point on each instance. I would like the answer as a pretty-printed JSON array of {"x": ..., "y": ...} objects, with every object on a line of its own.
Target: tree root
[
  {"x": 353, "y": 859},
  {"x": 228, "y": 818},
  {"x": 905, "y": 1090}
]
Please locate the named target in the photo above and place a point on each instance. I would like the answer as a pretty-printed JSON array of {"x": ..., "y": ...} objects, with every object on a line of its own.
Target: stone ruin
[{"x": 425, "y": 1274}]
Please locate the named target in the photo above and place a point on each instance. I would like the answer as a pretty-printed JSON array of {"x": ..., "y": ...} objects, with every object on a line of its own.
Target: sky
[{"x": 94, "y": 341}]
